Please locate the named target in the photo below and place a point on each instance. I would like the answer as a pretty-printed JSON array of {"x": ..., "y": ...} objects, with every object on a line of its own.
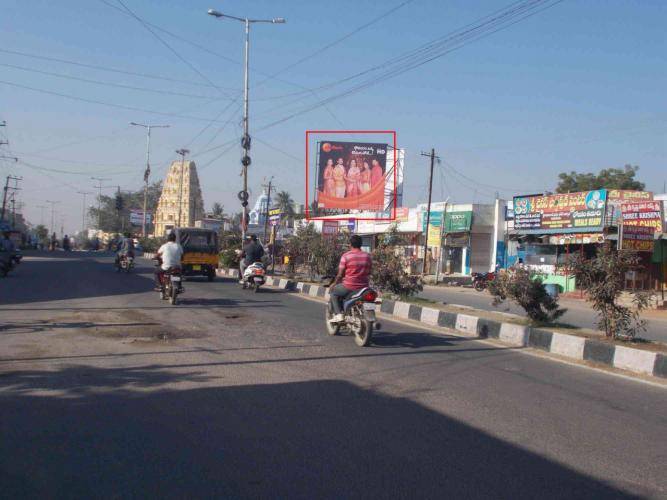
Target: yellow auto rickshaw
[{"x": 200, "y": 251}]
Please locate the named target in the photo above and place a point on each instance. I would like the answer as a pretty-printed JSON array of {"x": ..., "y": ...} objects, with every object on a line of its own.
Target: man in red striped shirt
[{"x": 354, "y": 273}]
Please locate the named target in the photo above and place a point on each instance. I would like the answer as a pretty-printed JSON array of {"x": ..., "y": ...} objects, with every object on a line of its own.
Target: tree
[
  {"x": 42, "y": 234},
  {"x": 610, "y": 178},
  {"x": 389, "y": 273},
  {"x": 603, "y": 280},
  {"x": 526, "y": 289},
  {"x": 285, "y": 204},
  {"x": 109, "y": 218},
  {"x": 218, "y": 210}
]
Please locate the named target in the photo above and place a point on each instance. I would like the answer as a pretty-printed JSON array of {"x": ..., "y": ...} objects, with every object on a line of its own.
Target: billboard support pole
[{"x": 428, "y": 208}]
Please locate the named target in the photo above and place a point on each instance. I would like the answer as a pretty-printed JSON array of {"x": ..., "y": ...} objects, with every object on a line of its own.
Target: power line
[
  {"x": 105, "y": 68},
  {"x": 102, "y": 103},
  {"x": 107, "y": 84}
]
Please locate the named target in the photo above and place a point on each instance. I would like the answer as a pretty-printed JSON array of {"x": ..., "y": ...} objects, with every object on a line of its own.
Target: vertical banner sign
[
  {"x": 641, "y": 221},
  {"x": 351, "y": 176}
]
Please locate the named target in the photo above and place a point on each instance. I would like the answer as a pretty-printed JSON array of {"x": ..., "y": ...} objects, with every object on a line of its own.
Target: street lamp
[
  {"x": 245, "y": 140},
  {"x": 148, "y": 166}
]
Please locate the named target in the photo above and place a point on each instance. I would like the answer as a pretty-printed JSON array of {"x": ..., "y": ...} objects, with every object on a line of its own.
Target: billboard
[
  {"x": 642, "y": 214},
  {"x": 351, "y": 175},
  {"x": 560, "y": 213},
  {"x": 637, "y": 238},
  {"x": 137, "y": 217}
]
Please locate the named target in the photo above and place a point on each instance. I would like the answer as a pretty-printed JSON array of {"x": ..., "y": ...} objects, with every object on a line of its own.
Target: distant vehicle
[
  {"x": 171, "y": 283},
  {"x": 254, "y": 276},
  {"x": 480, "y": 281},
  {"x": 200, "y": 251}
]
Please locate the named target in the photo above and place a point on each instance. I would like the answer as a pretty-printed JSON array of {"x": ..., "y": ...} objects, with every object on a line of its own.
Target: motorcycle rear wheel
[
  {"x": 364, "y": 333},
  {"x": 173, "y": 300},
  {"x": 479, "y": 286},
  {"x": 332, "y": 328}
]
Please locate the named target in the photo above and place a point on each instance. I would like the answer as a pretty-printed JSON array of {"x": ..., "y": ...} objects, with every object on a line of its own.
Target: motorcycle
[
  {"x": 254, "y": 276},
  {"x": 480, "y": 281},
  {"x": 359, "y": 314},
  {"x": 171, "y": 284},
  {"x": 10, "y": 263},
  {"x": 124, "y": 263}
]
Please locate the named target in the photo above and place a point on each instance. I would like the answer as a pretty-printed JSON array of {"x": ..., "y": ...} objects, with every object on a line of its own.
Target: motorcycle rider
[
  {"x": 7, "y": 248},
  {"x": 171, "y": 254},
  {"x": 125, "y": 248},
  {"x": 252, "y": 252},
  {"x": 354, "y": 273}
]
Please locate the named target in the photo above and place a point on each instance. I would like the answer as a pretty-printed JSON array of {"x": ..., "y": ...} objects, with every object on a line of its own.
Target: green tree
[
  {"x": 526, "y": 289},
  {"x": 111, "y": 220},
  {"x": 42, "y": 234},
  {"x": 285, "y": 203},
  {"x": 218, "y": 210},
  {"x": 610, "y": 178},
  {"x": 389, "y": 274},
  {"x": 603, "y": 280}
]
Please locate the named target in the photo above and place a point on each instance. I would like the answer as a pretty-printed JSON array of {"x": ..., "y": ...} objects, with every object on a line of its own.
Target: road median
[{"x": 588, "y": 352}]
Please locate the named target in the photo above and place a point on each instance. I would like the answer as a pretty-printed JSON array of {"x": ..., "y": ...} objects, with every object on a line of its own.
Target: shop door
[{"x": 453, "y": 260}]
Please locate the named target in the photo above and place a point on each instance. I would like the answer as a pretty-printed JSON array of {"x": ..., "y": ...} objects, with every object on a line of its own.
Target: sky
[{"x": 577, "y": 86}]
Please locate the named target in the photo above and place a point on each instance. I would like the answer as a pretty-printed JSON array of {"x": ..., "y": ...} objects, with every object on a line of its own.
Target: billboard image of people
[{"x": 351, "y": 175}]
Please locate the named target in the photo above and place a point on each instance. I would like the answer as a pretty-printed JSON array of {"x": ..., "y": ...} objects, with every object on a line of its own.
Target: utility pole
[
  {"x": 428, "y": 208},
  {"x": 83, "y": 211},
  {"x": 268, "y": 205},
  {"x": 41, "y": 218},
  {"x": 245, "y": 140},
  {"x": 147, "y": 172},
  {"x": 6, "y": 190},
  {"x": 181, "y": 152},
  {"x": 99, "y": 200},
  {"x": 53, "y": 209}
]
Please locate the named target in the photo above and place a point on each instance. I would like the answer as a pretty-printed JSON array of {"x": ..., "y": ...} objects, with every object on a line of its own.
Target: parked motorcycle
[
  {"x": 254, "y": 276},
  {"x": 171, "y": 284},
  {"x": 480, "y": 281},
  {"x": 359, "y": 312},
  {"x": 124, "y": 263}
]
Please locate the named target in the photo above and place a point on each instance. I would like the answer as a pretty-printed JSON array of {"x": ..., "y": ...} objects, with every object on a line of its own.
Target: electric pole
[
  {"x": 245, "y": 140},
  {"x": 428, "y": 208},
  {"x": 268, "y": 205},
  {"x": 41, "y": 218},
  {"x": 6, "y": 191},
  {"x": 147, "y": 172},
  {"x": 53, "y": 209},
  {"x": 99, "y": 200},
  {"x": 83, "y": 211},
  {"x": 181, "y": 152}
]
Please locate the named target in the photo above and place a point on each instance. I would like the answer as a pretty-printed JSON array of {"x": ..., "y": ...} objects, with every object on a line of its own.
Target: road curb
[{"x": 572, "y": 347}]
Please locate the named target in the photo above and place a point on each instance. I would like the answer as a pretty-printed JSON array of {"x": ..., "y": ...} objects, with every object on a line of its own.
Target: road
[
  {"x": 578, "y": 313},
  {"x": 105, "y": 391}
]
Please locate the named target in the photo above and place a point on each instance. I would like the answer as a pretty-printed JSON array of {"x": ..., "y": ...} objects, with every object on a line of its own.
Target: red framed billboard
[{"x": 351, "y": 175}]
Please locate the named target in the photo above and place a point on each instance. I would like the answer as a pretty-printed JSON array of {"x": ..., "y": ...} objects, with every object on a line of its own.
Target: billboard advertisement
[
  {"x": 351, "y": 175},
  {"x": 137, "y": 217},
  {"x": 643, "y": 214},
  {"x": 560, "y": 213}
]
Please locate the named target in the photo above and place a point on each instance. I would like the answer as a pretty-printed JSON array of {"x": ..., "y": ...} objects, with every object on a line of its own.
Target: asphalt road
[
  {"x": 578, "y": 313},
  {"x": 106, "y": 391}
]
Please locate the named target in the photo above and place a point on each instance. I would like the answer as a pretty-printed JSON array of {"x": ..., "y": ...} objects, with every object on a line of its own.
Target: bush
[
  {"x": 151, "y": 245},
  {"x": 389, "y": 273},
  {"x": 603, "y": 280},
  {"x": 527, "y": 290},
  {"x": 229, "y": 258}
]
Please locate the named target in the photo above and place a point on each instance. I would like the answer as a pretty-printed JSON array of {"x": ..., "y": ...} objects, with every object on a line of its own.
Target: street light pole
[
  {"x": 83, "y": 211},
  {"x": 99, "y": 200},
  {"x": 245, "y": 140},
  {"x": 148, "y": 167},
  {"x": 53, "y": 224}
]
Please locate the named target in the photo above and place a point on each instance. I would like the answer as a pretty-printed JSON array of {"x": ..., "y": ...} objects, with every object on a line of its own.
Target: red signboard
[{"x": 638, "y": 238}]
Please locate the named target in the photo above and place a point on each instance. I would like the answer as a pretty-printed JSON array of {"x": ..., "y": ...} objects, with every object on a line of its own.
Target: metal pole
[
  {"x": 428, "y": 209},
  {"x": 246, "y": 141},
  {"x": 266, "y": 215},
  {"x": 83, "y": 211},
  {"x": 4, "y": 199},
  {"x": 148, "y": 169}
]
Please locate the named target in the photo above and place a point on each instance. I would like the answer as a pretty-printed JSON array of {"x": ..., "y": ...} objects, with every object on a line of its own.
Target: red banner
[{"x": 643, "y": 214}]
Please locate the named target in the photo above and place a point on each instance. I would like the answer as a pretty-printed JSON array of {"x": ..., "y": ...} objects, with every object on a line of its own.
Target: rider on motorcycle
[
  {"x": 252, "y": 252},
  {"x": 171, "y": 254},
  {"x": 354, "y": 272},
  {"x": 125, "y": 248},
  {"x": 7, "y": 248}
]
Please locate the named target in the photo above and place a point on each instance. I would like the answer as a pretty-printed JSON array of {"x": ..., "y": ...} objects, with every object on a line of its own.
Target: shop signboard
[
  {"x": 434, "y": 237},
  {"x": 560, "y": 213},
  {"x": 638, "y": 238},
  {"x": 643, "y": 214},
  {"x": 402, "y": 214},
  {"x": 435, "y": 219},
  {"x": 351, "y": 175},
  {"x": 458, "y": 222},
  {"x": 275, "y": 216},
  {"x": 329, "y": 227}
]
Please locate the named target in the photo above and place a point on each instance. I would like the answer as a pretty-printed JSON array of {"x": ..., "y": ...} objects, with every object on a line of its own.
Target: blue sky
[{"x": 579, "y": 86}]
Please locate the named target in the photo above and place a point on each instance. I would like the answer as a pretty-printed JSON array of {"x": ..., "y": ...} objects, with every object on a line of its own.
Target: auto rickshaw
[{"x": 200, "y": 251}]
